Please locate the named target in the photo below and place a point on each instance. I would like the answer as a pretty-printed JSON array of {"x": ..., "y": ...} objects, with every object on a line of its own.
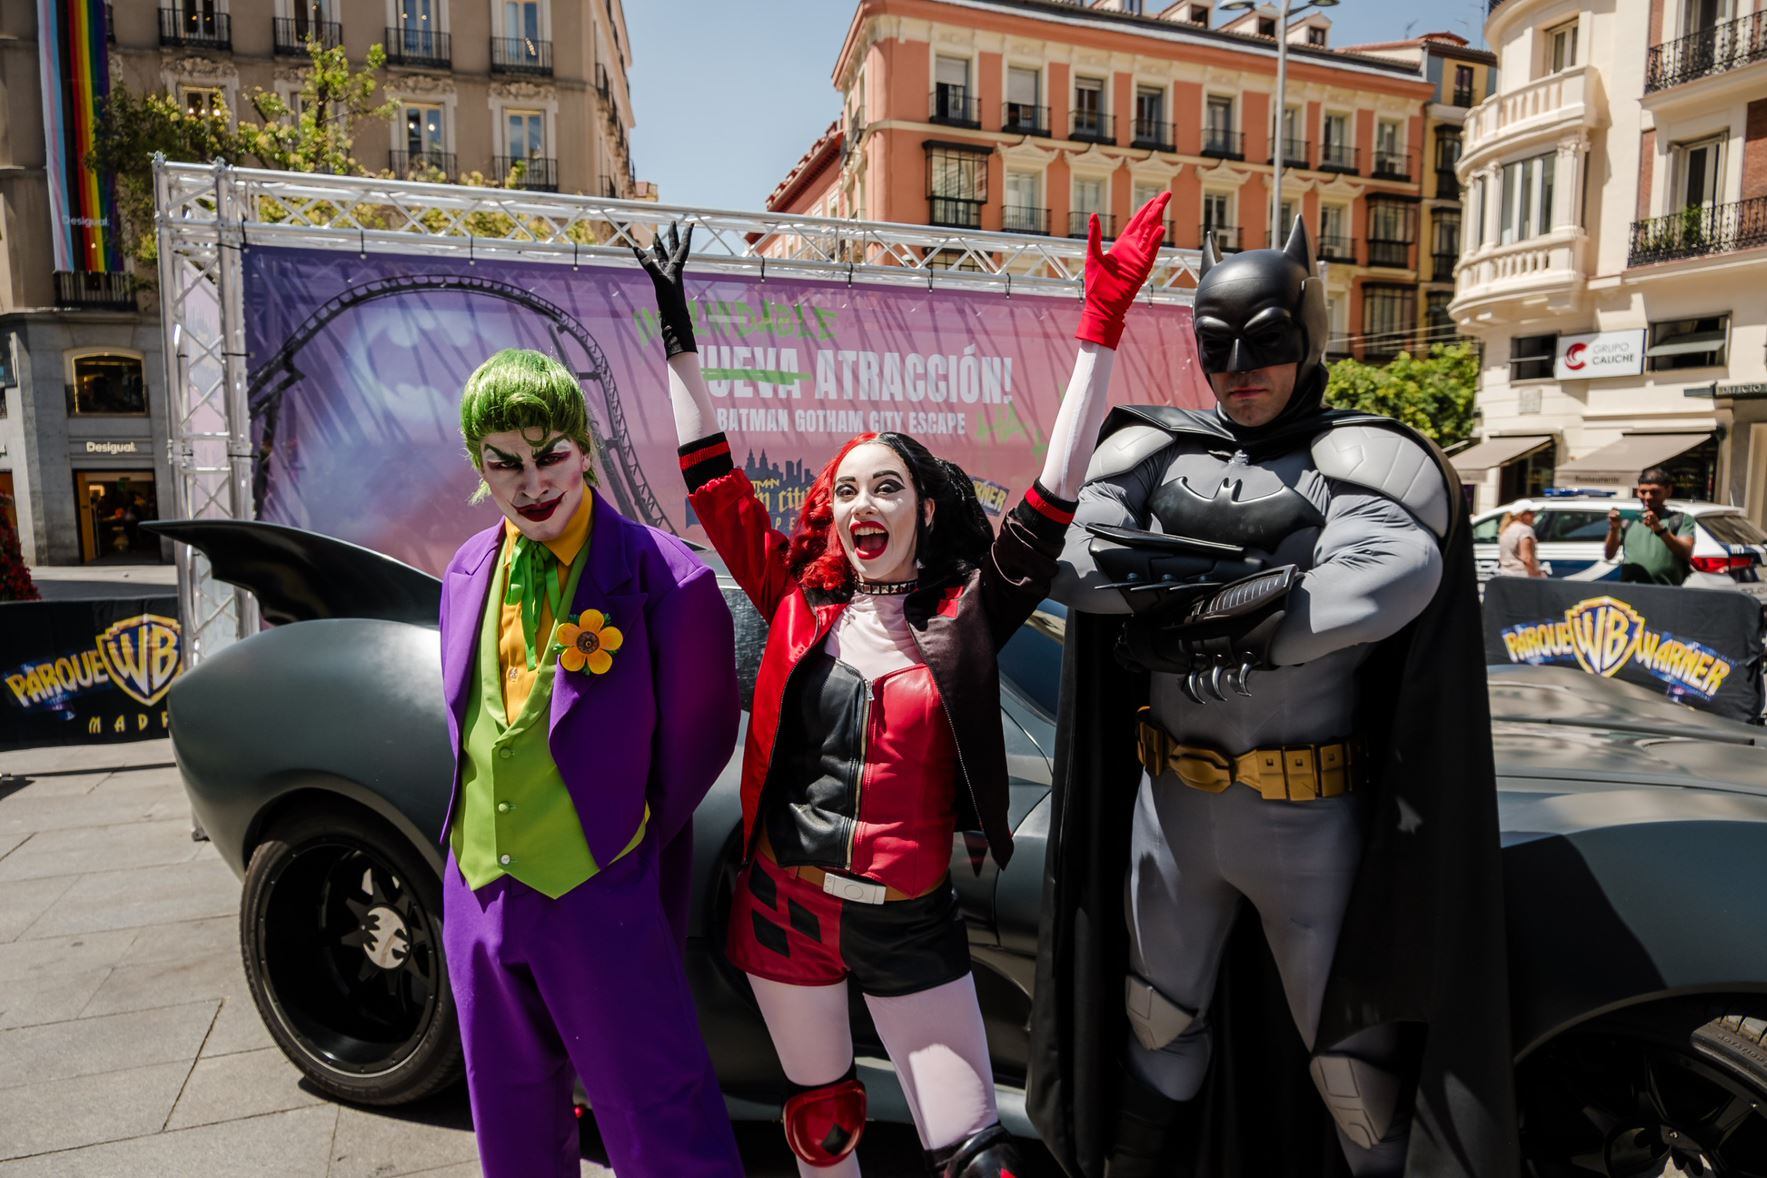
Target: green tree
[{"x": 1432, "y": 394}]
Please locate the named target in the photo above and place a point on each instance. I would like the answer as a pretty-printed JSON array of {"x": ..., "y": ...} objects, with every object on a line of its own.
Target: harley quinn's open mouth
[
  {"x": 869, "y": 540},
  {"x": 536, "y": 512}
]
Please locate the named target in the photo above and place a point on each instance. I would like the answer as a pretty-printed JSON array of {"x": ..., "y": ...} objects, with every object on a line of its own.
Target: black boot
[
  {"x": 986, "y": 1154},
  {"x": 1146, "y": 1121}
]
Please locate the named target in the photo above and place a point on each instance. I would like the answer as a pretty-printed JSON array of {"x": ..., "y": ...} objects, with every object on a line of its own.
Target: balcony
[
  {"x": 1335, "y": 248},
  {"x": 193, "y": 29},
  {"x": 1228, "y": 238},
  {"x": 1699, "y": 232},
  {"x": 94, "y": 290},
  {"x": 1463, "y": 98},
  {"x": 293, "y": 35},
  {"x": 952, "y": 106},
  {"x": 1391, "y": 165},
  {"x": 1080, "y": 224},
  {"x": 1447, "y": 185},
  {"x": 534, "y": 172},
  {"x": 1024, "y": 219},
  {"x": 423, "y": 48},
  {"x": 1296, "y": 153},
  {"x": 1442, "y": 267},
  {"x": 1522, "y": 279},
  {"x": 1538, "y": 112},
  {"x": 1340, "y": 157},
  {"x": 521, "y": 55},
  {"x": 955, "y": 212},
  {"x": 419, "y": 164},
  {"x": 1222, "y": 144},
  {"x": 1150, "y": 133},
  {"x": 1716, "y": 50},
  {"x": 1091, "y": 126},
  {"x": 1024, "y": 118},
  {"x": 1396, "y": 254}
]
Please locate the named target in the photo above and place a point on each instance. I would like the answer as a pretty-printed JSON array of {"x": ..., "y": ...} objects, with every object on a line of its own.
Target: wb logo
[
  {"x": 141, "y": 655},
  {"x": 1604, "y": 633}
]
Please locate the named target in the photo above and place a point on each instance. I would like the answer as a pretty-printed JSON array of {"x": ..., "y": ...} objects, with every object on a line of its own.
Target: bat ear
[
  {"x": 1210, "y": 258},
  {"x": 1298, "y": 247}
]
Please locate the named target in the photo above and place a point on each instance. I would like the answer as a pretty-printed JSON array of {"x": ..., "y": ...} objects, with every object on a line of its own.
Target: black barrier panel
[
  {"x": 84, "y": 672},
  {"x": 1699, "y": 646}
]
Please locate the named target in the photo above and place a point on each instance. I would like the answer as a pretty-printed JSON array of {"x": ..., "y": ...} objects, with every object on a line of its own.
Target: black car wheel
[
  {"x": 341, "y": 931},
  {"x": 1675, "y": 1092}
]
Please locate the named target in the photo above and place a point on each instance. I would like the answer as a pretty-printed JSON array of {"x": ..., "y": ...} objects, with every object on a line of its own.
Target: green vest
[{"x": 516, "y": 816}]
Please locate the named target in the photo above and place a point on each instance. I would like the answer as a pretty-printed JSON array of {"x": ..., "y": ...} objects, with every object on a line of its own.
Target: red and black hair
[{"x": 948, "y": 547}]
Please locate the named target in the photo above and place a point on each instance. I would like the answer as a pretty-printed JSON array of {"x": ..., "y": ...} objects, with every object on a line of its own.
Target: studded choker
[{"x": 888, "y": 588}]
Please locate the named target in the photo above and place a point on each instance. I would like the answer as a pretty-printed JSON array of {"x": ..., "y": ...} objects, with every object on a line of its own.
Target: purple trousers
[{"x": 590, "y": 982}]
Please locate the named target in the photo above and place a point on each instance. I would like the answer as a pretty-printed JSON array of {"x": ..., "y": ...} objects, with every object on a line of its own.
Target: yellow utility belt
[{"x": 1294, "y": 773}]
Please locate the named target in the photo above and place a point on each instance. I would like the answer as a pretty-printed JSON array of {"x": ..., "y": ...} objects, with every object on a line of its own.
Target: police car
[{"x": 1571, "y": 530}]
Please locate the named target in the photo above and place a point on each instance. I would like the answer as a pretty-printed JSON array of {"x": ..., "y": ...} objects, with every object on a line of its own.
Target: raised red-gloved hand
[{"x": 1112, "y": 279}]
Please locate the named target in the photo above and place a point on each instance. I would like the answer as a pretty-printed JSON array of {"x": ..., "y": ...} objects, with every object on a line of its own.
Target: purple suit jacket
[{"x": 659, "y": 726}]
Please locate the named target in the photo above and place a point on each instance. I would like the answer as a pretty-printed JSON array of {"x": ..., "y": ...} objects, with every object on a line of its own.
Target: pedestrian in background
[
  {"x": 1659, "y": 545},
  {"x": 1517, "y": 547}
]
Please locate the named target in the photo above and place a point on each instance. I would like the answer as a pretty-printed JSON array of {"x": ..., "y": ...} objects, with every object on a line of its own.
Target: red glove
[{"x": 1113, "y": 279}]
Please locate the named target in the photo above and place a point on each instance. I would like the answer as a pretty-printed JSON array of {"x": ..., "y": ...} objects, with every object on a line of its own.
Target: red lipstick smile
[
  {"x": 538, "y": 512},
  {"x": 869, "y": 540}
]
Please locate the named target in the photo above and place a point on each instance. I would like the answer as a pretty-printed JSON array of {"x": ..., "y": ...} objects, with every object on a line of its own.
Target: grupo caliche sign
[
  {"x": 78, "y": 672},
  {"x": 1699, "y": 646}
]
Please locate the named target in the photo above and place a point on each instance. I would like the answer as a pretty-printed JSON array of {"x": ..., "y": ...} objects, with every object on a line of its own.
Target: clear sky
[{"x": 729, "y": 93}]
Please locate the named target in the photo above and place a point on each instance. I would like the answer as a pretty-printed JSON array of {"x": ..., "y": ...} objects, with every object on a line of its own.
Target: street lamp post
[{"x": 1288, "y": 11}]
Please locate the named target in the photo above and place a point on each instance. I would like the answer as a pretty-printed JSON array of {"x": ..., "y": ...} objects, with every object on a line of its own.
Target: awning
[
  {"x": 1633, "y": 453},
  {"x": 1482, "y": 456}
]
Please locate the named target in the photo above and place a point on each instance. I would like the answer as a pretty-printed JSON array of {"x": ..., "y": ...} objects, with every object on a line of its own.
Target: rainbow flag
[{"x": 73, "y": 51}]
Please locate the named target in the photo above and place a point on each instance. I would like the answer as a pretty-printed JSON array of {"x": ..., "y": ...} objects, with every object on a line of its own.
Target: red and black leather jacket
[{"x": 959, "y": 627}]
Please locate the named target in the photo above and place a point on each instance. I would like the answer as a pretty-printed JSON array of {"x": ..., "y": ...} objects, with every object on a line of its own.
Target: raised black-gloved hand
[
  {"x": 664, "y": 265},
  {"x": 1219, "y": 641}
]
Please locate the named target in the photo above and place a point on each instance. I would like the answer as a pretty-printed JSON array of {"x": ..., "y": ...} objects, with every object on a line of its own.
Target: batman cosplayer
[{"x": 1302, "y": 735}]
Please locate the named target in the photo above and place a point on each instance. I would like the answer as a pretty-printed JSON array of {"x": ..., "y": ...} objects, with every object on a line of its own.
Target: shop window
[
  {"x": 1531, "y": 356},
  {"x": 112, "y": 507},
  {"x": 1687, "y": 343},
  {"x": 105, "y": 384}
]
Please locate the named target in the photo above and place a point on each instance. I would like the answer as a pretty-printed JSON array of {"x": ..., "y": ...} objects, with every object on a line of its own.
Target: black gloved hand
[
  {"x": 664, "y": 265},
  {"x": 1219, "y": 641}
]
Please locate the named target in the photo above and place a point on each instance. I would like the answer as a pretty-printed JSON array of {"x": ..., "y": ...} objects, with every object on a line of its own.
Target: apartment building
[
  {"x": 1028, "y": 116},
  {"x": 529, "y": 90},
  {"x": 1612, "y": 261}
]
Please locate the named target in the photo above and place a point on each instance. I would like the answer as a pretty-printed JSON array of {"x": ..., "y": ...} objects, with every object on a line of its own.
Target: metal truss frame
[{"x": 207, "y": 214}]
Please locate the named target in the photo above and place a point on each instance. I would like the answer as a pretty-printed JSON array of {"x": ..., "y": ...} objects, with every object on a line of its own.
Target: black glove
[
  {"x": 664, "y": 267},
  {"x": 1219, "y": 641}
]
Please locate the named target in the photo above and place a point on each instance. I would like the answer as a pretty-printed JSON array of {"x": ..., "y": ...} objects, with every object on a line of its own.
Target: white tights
[{"x": 934, "y": 1038}]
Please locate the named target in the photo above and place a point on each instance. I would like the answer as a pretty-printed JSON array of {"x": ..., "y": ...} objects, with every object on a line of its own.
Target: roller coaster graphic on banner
[{"x": 622, "y": 475}]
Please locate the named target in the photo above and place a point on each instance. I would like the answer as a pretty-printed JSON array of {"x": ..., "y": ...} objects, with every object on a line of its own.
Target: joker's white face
[{"x": 536, "y": 481}]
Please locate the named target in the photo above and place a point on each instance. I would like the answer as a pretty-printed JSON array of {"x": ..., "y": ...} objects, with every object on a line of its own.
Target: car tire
[
  {"x": 1679, "y": 1088},
  {"x": 340, "y": 928}
]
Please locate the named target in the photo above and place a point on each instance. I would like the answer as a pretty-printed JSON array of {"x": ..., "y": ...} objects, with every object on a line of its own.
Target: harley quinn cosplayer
[
  {"x": 589, "y": 666},
  {"x": 875, "y": 734}
]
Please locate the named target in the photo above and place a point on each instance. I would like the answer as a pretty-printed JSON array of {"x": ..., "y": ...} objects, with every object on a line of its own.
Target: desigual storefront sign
[
  {"x": 87, "y": 671},
  {"x": 1599, "y": 354},
  {"x": 109, "y": 448}
]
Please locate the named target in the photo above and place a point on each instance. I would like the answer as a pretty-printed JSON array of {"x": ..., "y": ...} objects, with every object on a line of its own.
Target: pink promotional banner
[{"x": 357, "y": 362}]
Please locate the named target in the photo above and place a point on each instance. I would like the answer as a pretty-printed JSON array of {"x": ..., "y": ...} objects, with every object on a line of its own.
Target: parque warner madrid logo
[
  {"x": 141, "y": 654},
  {"x": 1603, "y": 634}
]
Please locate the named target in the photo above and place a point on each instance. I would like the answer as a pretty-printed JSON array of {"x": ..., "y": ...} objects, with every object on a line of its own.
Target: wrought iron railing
[
  {"x": 1025, "y": 118},
  {"x": 1339, "y": 157},
  {"x": 1384, "y": 252},
  {"x": 536, "y": 173},
  {"x": 1223, "y": 144},
  {"x": 1094, "y": 126},
  {"x": 1080, "y": 224},
  {"x": 1698, "y": 231},
  {"x": 1227, "y": 237},
  {"x": 1392, "y": 165},
  {"x": 1727, "y": 46},
  {"x": 1337, "y": 248},
  {"x": 521, "y": 55},
  {"x": 411, "y": 45},
  {"x": 1295, "y": 152},
  {"x": 193, "y": 28},
  {"x": 292, "y": 36},
  {"x": 97, "y": 290},
  {"x": 414, "y": 163},
  {"x": 1463, "y": 97},
  {"x": 1153, "y": 133},
  {"x": 1024, "y": 219},
  {"x": 955, "y": 212},
  {"x": 954, "y": 106}
]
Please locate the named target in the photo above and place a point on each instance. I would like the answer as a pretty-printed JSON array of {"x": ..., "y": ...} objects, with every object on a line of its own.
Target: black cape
[{"x": 1422, "y": 943}]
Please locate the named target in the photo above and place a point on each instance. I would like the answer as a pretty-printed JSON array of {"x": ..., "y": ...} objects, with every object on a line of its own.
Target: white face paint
[
  {"x": 875, "y": 510},
  {"x": 536, "y": 482}
]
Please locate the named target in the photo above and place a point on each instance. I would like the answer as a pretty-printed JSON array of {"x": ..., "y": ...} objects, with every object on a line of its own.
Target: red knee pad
[{"x": 823, "y": 1125}]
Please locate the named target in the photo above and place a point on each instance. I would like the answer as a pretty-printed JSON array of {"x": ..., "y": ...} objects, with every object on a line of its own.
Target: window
[
  {"x": 1485, "y": 531},
  {"x": 311, "y": 17},
  {"x": 1089, "y": 107},
  {"x": 1285, "y": 221},
  {"x": 1531, "y": 356},
  {"x": 951, "y": 100},
  {"x": 1337, "y": 335},
  {"x": 1527, "y": 198},
  {"x": 1150, "y": 115},
  {"x": 1199, "y": 14},
  {"x": 1477, "y": 238},
  {"x": 1024, "y": 88},
  {"x": 1024, "y": 211},
  {"x": 524, "y": 134},
  {"x": 1436, "y": 317},
  {"x": 199, "y": 100},
  {"x": 1334, "y": 232},
  {"x": 1334, "y": 141},
  {"x": 1316, "y": 36},
  {"x": 1217, "y": 210},
  {"x": 521, "y": 19},
  {"x": 1144, "y": 191},
  {"x": 423, "y": 130},
  {"x": 1561, "y": 48},
  {"x": 419, "y": 28},
  {"x": 1447, "y": 243},
  {"x": 1447, "y": 152},
  {"x": 105, "y": 384},
  {"x": 1389, "y": 319},
  {"x": 1218, "y": 116},
  {"x": 1266, "y": 27},
  {"x": 1699, "y": 169},
  {"x": 1088, "y": 194},
  {"x": 957, "y": 184},
  {"x": 1463, "y": 85},
  {"x": 1392, "y": 227},
  {"x": 1687, "y": 343}
]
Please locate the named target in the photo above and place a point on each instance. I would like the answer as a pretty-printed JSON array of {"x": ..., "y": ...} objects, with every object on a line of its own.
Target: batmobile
[{"x": 316, "y": 757}]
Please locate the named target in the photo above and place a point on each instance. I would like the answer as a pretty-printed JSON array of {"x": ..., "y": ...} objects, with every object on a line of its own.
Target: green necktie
[{"x": 533, "y": 567}]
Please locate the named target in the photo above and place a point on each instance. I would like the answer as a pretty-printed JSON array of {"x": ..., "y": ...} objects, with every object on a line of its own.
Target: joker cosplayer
[{"x": 590, "y": 673}]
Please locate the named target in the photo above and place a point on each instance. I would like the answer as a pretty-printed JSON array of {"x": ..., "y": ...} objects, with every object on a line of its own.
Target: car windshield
[
  {"x": 1031, "y": 662},
  {"x": 1732, "y": 528}
]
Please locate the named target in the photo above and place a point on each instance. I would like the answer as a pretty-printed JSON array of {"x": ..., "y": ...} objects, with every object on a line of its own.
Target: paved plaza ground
[{"x": 129, "y": 1044}]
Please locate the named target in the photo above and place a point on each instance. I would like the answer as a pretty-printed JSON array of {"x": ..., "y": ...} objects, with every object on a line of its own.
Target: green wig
[{"x": 521, "y": 389}]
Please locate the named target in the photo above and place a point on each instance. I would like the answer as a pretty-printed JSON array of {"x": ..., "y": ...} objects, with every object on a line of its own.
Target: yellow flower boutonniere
[{"x": 588, "y": 642}]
